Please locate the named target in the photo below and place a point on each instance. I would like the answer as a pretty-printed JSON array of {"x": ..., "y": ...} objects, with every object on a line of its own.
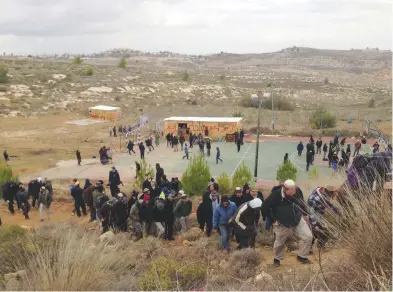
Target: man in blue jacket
[{"x": 222, "y": 213}]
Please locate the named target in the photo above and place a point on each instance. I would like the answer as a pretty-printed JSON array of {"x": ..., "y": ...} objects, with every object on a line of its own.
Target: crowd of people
[{"x": 333, "y": 150}]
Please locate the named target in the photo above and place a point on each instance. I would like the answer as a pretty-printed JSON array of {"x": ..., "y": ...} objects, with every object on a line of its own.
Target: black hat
[{"x": 224, "y": 198}]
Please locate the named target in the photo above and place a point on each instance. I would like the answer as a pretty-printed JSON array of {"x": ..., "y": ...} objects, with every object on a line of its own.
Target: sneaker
[
  {"x": 303, "y": 260},
  {"x": 276, "y": 263}
]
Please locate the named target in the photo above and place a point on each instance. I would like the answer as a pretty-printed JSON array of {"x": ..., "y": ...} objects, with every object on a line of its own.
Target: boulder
[
  {"x": 263, "y": 277},
  {"x": 107, "y": 237}
]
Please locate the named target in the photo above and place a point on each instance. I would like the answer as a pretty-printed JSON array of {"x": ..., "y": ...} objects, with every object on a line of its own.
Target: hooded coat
[{"x": 246, "y": 216}]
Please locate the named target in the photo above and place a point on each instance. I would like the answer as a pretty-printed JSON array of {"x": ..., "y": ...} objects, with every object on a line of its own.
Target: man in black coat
[
  {"x": 78, "y": 157},
  {"x": 169, "y": 217},
  {"x": 309, "y": 156},
  {"x": 147, "y": 182},
  {"x": 34, "y": 190},
  {"x": 237, "y": 197},
  {"x": 205, "y": 210},
  {"x": 114, "y": 181},
  {"x": 130, "y": 147},
  {"x": 159, "y": 174},
  {"x": 23, "y": 196},
  {"x": 142, "y": 150},
  {"x": 288, "y": 211},
  {"x": 10, "y": 192},
  {"x": 77, "y": 194}
]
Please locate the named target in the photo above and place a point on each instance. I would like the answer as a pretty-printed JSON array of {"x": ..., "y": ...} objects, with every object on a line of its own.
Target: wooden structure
[
  {"x": 213, "y": 127},
  {"x": 103, "y": 112}
]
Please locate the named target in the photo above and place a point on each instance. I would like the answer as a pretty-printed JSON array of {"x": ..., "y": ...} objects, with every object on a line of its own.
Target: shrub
[
  {"x": 145, "y": 169},
  {"x": 78, "y": 60},
  {"x": 279, "y": 103},
  {"x": 196, "y": 176},
  {"x": 3, "y": 74},
  {"x": 166, "y": 274},
  {"x": 286, "y": 171},
  {"x": 5, "y": 175},
  {"x": 328, "y": 119},
  {"x": 13, "y": 239},
  {"x": 241, "y": 176},
  {"x": 224, "y": 183},
  {"x": 194, "y": 102},
  {"x": 3, "y": 89},
  {"x": 67, "y": 252},
  {"x": 371, "y": 103},
  {"x": 123, "y": 63},
  {"x": 89, "y": 71},
  {"x": 364, "y": 229},
  {"x": 247, "y": 101},
  {"x": 222, "y": 77},
  {"x": 314, "y": 174},
  {"x": 243, "y": 263},
  {"x": 326, "y": 81},
  {"x": 185, "y": 76}
]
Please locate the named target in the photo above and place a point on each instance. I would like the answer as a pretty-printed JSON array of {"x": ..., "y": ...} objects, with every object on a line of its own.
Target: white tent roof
[
  {"x": 105, "y": 108},
  {"x": 205, "y": 119}
]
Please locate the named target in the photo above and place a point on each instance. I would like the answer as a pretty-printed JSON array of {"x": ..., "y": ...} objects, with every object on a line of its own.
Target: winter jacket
[
  {"x": 245, "y": 219},
  {"x": 77, "y": 193},
  {"x": 325, "y": 148},
  {"x": 146, "y": 212},
  {"x": 10, "y": 190},
  {"x": 95, "y": 194},
  {"x": 222, "y": 214},
  {"x": 34, "y": 188},
  {"x": 154, "y": 193},
  {"x": 142, "y": 148},
  {"x": 114, "y": 179},
  {"x": 237, "y": 200},
  {"x": 45, "y": 198},
  {"x": 134, "y": 212},
  {"x": 146, "y": 185},
  {"x": 159, "y": 174},
  {"x": 300, "y": 147},
  {"x": 318, "y": 202},
  {"x": 309, "y": 156},
  {"x": 158, "y": 215},
  {"x": 183, "y": 209},
  {"x": 287, "y": 211},
  {"x": 168, "y": 211},
  {"x": 319, "y": 143},
  {"x": 88, "y": 195}
]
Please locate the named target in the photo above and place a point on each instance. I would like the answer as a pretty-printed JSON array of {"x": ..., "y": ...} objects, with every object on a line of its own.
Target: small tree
[
  {"x": 241, "y": 176},
  {"x": 141, "y": 176},
  {"x": 371, "y": 103},
  {"x": 326, "y": 81},
  {"x": 89, "y": 71},
  {"x": 3, "y": 74},
  {"x": 5, "y": 175},
  {"x": 322, "y": 118},
  {"x": 123, "y": 63},
  {"x": 222, "y": 77},
  {"x": 196, "y": 176},
  {"x": 77, "y": 60},
  {"x": 224, "y": 183},
  {"x": 286, "y": 171},
  {"x": 186, "y": 76}
]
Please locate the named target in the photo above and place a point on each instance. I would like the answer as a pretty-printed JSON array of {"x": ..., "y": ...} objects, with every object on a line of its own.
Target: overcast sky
[{"x": 192, "y": 26}]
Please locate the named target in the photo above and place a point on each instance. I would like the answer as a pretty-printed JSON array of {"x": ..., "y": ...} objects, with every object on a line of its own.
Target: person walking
[
  {"x": 238, "y": 144},
  {"x": 181, "y": 140},
  {"x": 218, "y": 154},
  {"x": 78, "y": 157},
  {"x": 358, "y": 145},
  {"x": 142, "y": 150},
  {"x": 6, "y": 156},
  {"x": 244, "y": 222},
  {"x": 300, "y": 148},
  {"x": 88, "y": 199},
  {"x": 288, "y": 211},
  {"x": 319, "y": 145},
  {"x": 159, "y": 174},
  {"x": 23, "y": 195},
  {"x": 77, "y": 194},
  {"x": 157, "y": 139},
  {"x": 44, "y": 202},
  {"x": 114, "y": 131},
  {"x": 185, "y": 151},
  {"x": 205, "y": 210},
  {"x": 182, "y": 211},
  {"x": 325, "y": 149},
  {"x": 169, "y": 217},
  {"x": 223, "y": 212},
  {"x": 130, "y": 147},
  {"x": 309, "y": 156},
  {"x": 114, "y": 181}
]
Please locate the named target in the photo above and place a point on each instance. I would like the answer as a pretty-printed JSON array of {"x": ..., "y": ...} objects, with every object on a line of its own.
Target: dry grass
[{"x": 57, "y": 258}]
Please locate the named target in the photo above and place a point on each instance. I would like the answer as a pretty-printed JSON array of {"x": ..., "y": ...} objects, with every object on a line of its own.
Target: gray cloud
[{"x": 191, "y": 26}]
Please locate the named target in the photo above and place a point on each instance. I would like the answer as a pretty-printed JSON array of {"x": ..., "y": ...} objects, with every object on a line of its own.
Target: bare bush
[{"x": 243, "y": 263}]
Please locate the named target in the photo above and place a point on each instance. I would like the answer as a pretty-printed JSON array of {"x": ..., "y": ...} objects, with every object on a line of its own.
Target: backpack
[{"x": 101, "y": 201}]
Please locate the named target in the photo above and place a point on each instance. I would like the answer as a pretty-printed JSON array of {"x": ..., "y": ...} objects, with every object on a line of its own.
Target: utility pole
[
  {"x": 271, "y": 85},
  {"x": 257, "y": 144}
]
